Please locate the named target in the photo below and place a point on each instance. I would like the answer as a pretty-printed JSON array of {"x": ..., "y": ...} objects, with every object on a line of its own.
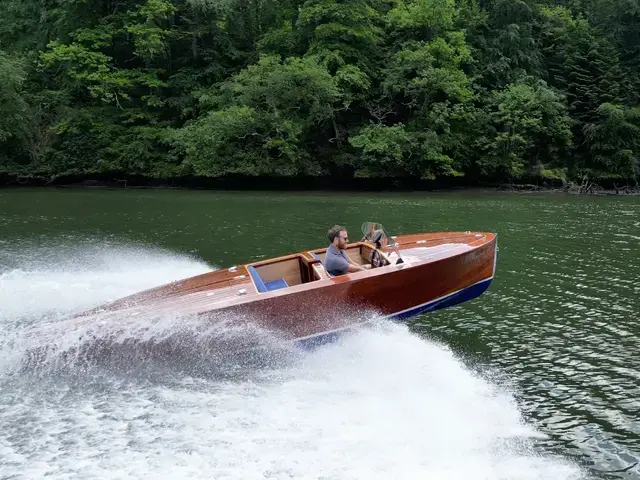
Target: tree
[
  {"x": 14, "y": 110},
  {"x": 259, "y": 121},
  {"x": 614, "y": 141},
  {"x": 532, "y": 130}
]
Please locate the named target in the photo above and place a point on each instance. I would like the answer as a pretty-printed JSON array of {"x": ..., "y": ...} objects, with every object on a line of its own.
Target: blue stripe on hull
[
  {"x": 321, "y": 339},
  {"x": 461, "y": 296},
  {"x": 456, "y": 298}
]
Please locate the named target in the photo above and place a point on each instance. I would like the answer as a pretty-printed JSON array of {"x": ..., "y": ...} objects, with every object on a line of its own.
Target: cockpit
[{"x": 370, "y": 252}]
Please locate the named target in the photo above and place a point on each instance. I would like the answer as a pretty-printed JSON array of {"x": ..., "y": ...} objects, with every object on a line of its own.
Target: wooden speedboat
[{"x": 296, "y": 297}]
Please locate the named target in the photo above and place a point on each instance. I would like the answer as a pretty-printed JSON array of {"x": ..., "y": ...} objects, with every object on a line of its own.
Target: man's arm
[
  {"x": 342, "y": 263},
  {"x": 353, "y": 265}
]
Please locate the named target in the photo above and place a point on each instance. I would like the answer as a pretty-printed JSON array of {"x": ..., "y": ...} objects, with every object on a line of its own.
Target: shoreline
[{"x": 319, "y": 184}]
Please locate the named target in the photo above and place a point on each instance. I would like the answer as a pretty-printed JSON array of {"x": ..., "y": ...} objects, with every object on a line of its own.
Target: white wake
[{"x": 381, "y": 403}]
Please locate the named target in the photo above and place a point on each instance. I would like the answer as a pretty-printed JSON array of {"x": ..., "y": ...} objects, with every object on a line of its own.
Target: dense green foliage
[{"x": 426, "y": 89}]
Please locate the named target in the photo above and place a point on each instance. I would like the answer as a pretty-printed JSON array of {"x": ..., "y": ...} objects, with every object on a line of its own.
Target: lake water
[{"x": 539, "y": 378}]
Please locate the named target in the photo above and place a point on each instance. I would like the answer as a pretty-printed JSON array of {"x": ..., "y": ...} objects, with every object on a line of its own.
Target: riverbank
[{"x": 336, "y": 183}]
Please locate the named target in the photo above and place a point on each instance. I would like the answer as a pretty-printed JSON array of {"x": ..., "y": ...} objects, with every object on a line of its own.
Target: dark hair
[{"x": 334, "y": 232}]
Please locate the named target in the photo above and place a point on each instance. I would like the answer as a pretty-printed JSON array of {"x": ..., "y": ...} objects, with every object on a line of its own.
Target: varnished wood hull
[{"x": 440, "y": 270}]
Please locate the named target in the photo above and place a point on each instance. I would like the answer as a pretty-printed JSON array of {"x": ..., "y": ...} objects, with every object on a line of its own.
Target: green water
[{"x": 560, "y": 322}]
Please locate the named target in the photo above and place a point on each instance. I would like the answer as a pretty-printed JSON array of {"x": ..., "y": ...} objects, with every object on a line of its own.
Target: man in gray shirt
[{"x": 337, "y": 262}]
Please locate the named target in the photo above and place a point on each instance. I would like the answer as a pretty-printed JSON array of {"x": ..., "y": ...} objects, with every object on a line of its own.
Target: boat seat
[
  {"x": 276, "y": 284},
  {"x": 268, "y": 286}
]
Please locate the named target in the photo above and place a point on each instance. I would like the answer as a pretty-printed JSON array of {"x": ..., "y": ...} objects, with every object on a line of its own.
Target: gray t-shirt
[{"x": 336, "y": 261}]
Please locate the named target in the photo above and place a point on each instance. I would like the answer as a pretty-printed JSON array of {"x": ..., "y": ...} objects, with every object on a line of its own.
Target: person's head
[
  {"x": 338, "y": 236},
  {"x": 380, "y": 239}
]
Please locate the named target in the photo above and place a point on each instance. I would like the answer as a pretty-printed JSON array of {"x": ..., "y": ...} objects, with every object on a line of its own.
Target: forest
[{"x": 515, "y": 91}]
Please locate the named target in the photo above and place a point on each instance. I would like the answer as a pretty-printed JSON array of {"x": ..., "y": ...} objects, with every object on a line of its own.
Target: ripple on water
[{"x": 564, "y": 325}]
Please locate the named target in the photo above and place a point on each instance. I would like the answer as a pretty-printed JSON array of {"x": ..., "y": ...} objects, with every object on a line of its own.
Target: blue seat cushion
[
  {"x": 266, "y": 286},
  {"x": 276, "y": 284}
]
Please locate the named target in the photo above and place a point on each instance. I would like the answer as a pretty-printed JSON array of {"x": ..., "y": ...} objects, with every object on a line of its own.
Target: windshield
[{"x": 374, "y": 231}]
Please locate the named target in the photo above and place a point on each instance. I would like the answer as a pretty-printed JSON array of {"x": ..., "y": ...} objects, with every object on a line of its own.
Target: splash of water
[
  {"x": 38, "y": 282},
  {"x": 378, "y": 403}
]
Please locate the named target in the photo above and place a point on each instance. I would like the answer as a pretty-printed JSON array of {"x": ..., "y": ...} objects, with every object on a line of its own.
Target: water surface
[{"x": 538, "y": 378}]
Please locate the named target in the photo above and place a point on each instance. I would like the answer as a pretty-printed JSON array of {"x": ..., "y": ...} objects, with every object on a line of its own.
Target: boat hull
[
  {"x": 397, "y": 292},
  {"x": 440, "y": 270}
]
